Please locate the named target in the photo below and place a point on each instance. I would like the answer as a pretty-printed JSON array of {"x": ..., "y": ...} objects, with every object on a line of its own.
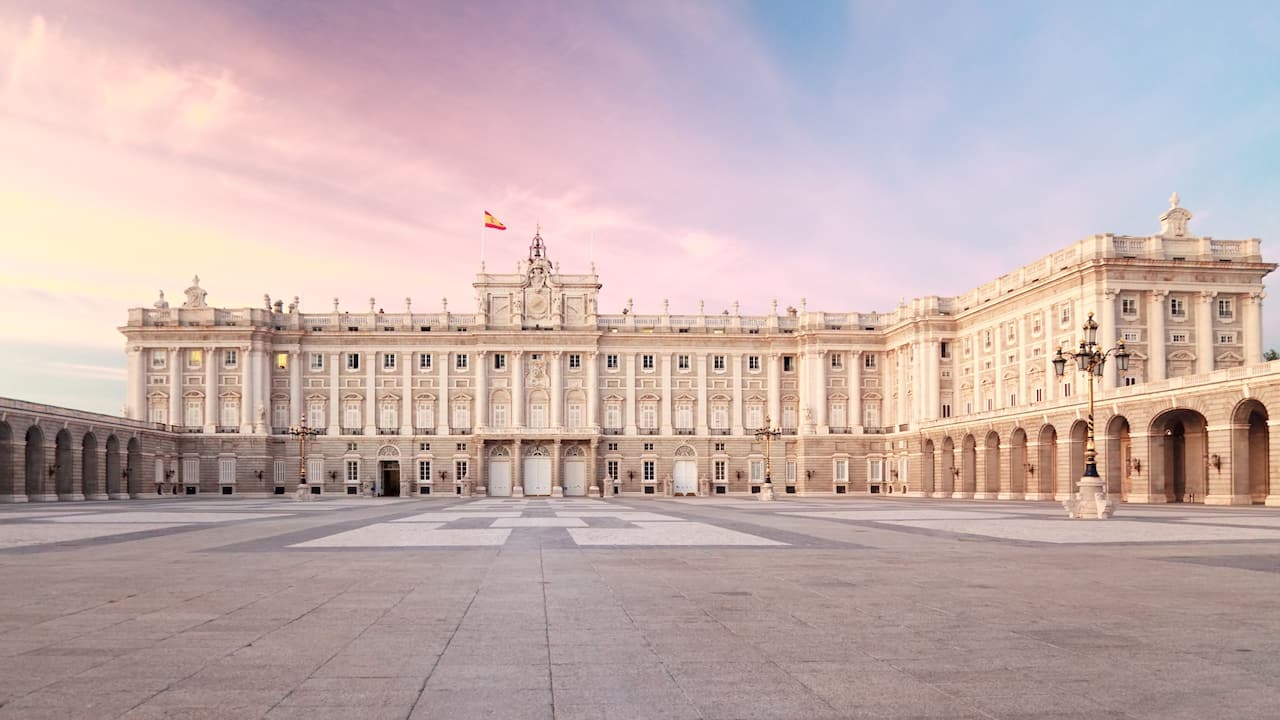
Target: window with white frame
[
  {"x": 1064, "y": 313},
  {"x": 611, "y": 468},
  {"x": 460, "y": 361},
  {"x": 720, "y": 470},
  {"x": 498, "y": 414},
  {"x": 788, "y": 363},
  {"x": 159, "y": 359},
  {"x": 499, "y": 361},
  {"x": 230, "y": 411},
  {"x": 986, "y": 339},
  {"x": 1226, "y": 338},
  {"x": 195, "y": 358},
  {"x": 193, "y": 412},
  {"x": 1131, "y": 335},
  {"x": 1178, "y": 337},
  {"x": 869, "y": 361},
  {"x": 280, "y": 414},
  {"x": 837, "y": 361},
  {"x": 1129, "y": 306},
  {"x": 871, "y": 414},
  {"x": 1226, "y": 309},
  {"x": 720, "y": 416},
  {"x": 226, "y": 471},
  {"x": 1130, "y": 380},
  {"x": 575, "y": 361},
  {"x": 649, "y": 414},
  {"x": 789, "y": 415},
  {"x": 230, "y": 358},
  {"x": 461, "y": 469},
  {"x": 840, "y": 470},
  {"x": 158, "y": 411},
  {"x": 316, "y": 416},
  {"x": 353, "y": 471},
  {"x": 790, "y": 471},
  {"x": 610, "y": 362},
  {"x": 1066, "y": 389},
  {"x": 424, "y": 361},
  {"x": 316, "y": 361},
  {"x": 1177, "y": 307},
  {"x": 538, "y": 413},
  {"x": 650, "y": 470},
  {"x": 946, "y": 410},
  {"x": 613, "y": 414},
  {"x": 424, "y": 471},
  {"x": 351, "y": 414},
  {"x": 875, "y": 470},
  {"x": 388, "y": 361},
  {"x": 717, "y": 363},
  {"x": 1039, "y": 394},
  {"x": 646, "y": 362},
  {"x": 388, "y": 414},
  {"x": 575, "y": 415},
  {"x": 755, "y": 415},
  {"x": 1036, "y": 325},
  {"x": 682, "y": 363},
  {"x": 462, "y": 414},
  {"x": 756, "y": 468},
  {"x": 753, "y": 363},
  {"x": 837, "y": 413},
  {"x": 684, "y": 414},
  {"x": 424, "y": 414},
  {"x": 353, "y": 361}
]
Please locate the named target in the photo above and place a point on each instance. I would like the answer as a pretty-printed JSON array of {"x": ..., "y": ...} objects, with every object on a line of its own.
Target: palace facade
[{"x": 535, "y": 392}]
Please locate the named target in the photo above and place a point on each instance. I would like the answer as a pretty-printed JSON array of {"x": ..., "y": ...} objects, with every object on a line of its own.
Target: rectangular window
[
  {"x": 946, "y": 410},
  {"x": 720, "y": 470},
  {"x": 841, "y": 471},
  {"x": 717, "y": 363},
  {"x": 1039, "y": 395},
  {"x": 945, "y": 349},
  {"x": 424, "y": 361},
  {"x": 646, "y": 362},
  {"x": 388, "y": 361},
  {"x": 719, "y": 447},
  {"x": 756, "y": 468},
  {"x": 1178, "y": 337},
  {"x": 650, "y": 469},
  {"x": 682, "y": 362},
  {"x": 575, "y": 361},
  {"x": 610, "y": 362},
  {"x": 460, "y": 447},
  {"x": 1225, "y": 309},
  {"x": 611, "y": 447},
  {"x": 1066, "y": 389},
  {"x": 1177, "y": 308},
  {"x": 869, "y": 361},
  {"x": 1064, "y": 314},
  {"x": 353, "y": 361},
  {"x": 424, "y": 471},
  {"x": 230, "y": 358},
  {"x": 648, "y": 447},
  {"x": 1226, "y": 338},
  {"x": 317, "y": 361},
  {"x": 195, "y": 358},
  {"x": 753, "y": 363},
  {"x": 611, "y": 469},
  {"x": 353, "y": 471},
  {"x": 791, "y": 471},
  {"x": 282, "y": 361},
  {"x": 158, "y": 359},
  {"x": 1130, "y": 380},
  {"x": 837, "y": 361},
  {"x": 788, "y": 363},
  {"x": 875, "y": 470},
  {"x": 499, "y": 361},
  {"x": 1131, "y": 336},
  {"x": 1013, "y": 399},
  {"x": 1129, "y": 306},
  {"x": 460, "y": 361},
  {"x": 460, "y": 469}
]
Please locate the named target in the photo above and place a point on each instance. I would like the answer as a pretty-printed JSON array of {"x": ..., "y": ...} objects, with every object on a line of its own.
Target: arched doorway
[
  {"x": 133, "y": 467},
  {"x": 685, "y": 472},
  {"x": 1250, "y": 451},
  {"x": 1179, "y": 460},
  {"x": 89, "y": 477},
  {"x": 1047, "y": 471},
  {"x": 1017, "y": 464},
  {"x": 536, "y": 473},
  {"x": 947, "y": 484},
  {"x": 575, "y": 472},
  {"x": 500, "y": 472},
  {"x": 113, "y": 467},
  {"x": 34, "y": 464},
  {"x": 927, "y": 481},
  {"x": 968, "y": 467},
  {"x": 991, "y": 465},
  {"x": 63, "y": 465},
  {"x": 1075, "y": 461},
  {"x": 8, "y": 473},
  {"x": 389, "y": 472},
  {"x": 1117, "y": 463}
]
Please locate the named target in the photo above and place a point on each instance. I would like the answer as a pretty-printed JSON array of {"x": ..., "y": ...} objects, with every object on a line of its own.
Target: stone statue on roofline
[{"x": 195, "y": 295}]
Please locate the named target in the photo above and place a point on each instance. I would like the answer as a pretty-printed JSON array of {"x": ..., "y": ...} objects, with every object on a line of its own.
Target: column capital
[
  {"x": 557, "y": 353},
  {"x": 1208, "y": 295},
  {"x": 210, "y": 348},
  {"x": 517, "y": 354},
  {"x": 481, "y": 353},
  {"x": 1110, "y": 293},
  {"x": 1157, "y": 295}
]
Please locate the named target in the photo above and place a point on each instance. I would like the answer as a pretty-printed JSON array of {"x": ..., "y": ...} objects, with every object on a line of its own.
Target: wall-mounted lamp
[
  {"x": 1136, "y": 464},
  {"x": 53, "y": 469},
  {"x": 333, "y": 474},
  {"x": 739, "y": 474},
  {"x": 1031, "y": 469},
  {"x": 444, "y": 474},
  {"x": 124, "y": 473},
  {"x": 167, "y": 473},
  {"x": 258, "y": 474},
  {"x": 1216, "y": 461},
  {"x": 955, "y": 471},
  {"x": 893, "y": 473},
  {"x": 631, "y": 474},
  {"x": 808, "y": 474}
]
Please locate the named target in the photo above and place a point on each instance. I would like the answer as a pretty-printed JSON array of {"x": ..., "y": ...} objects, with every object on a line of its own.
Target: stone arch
[
  {"x": 133, "y": 466},
  {"x": 1179, "y": 455},
  {"x": 34, "y": 462},
  {"x": 1047, "y": 472},
  {"x": 63, "y": 465},
  {"x": 8, "y": 474},
  {"x": 499, "y": 451},
  {"x": 537, "y": 451},
  {"x": 113, "y": 466},
  {"x": 1075, "y": 460},
  {"x": 949, "y": 470},
  {"x": 90, "y": 477},
  {"x": 1116, "y": 460},
  {"x": 574, "y": 451},
  {"x": 968, "y": 466},
  {"x": 1018, "y": 464},
  {"x": 1250, "y": 451},
  {"x": 927, "y": 480},
  {"x": 991, "y": 463},
  {"x": 685, "y": 451},
  {"x": 388, "y": 451}
]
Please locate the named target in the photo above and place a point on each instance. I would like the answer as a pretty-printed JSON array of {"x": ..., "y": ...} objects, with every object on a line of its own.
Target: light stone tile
[
  {"x": 1066, "y": 531},
  {"x": 667, "y": 533},
  {"x": 408, "y": 535},
  {"x": 538, "y": 522},
  {"x": 24, "y": 534},
  {"x": 443, "y": 517},
  {"x": 921, "y": 514},
  {"x": 166, "y": 517},
  {"x": 628, "y": 515}
]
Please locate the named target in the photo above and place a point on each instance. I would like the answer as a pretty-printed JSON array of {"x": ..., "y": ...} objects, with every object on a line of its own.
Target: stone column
[
  {"x": 1108, "y": 332},
  {"x": 248, "y": 389},
  {"x": 664, "y": 412},
  {"x": 593, "y": 391},
  {"x": 335, "y": 395},
  {"x": 137, "y": 383},
  {"x": 517, "y": 468},
  {"x": 442, "y": 394},
  {"x": 901, "y": 368},
  {"x": 1051, "y": 381},
  {"x": 854, "y": 413},
  {"x": 295, "y": 387},
  {"x": 266, "y": 363},
  {"x": 1251, "y": 328},
  {"x": 517, "y": 389},
  {"x": 175, "y": 388},
  {"x": 210, "y": 389},
  {"x": 406, "y": 394},
  {"x": 804, "y": 390},
  {"x": 629, "y": 410},
  {"x": 371, "y": 393},
  {"x": 1204, "y": 332},
  {"x": 700, "y": 419},
  {"x": 934, "y": 355},
  {"x": 998, "y": 365},
  {"x": 557, "y": 393},
  {"x": 775, "y": 388},
  {"x": 976, "y": 357},
  {"x": 820, "y": 360},
  {"x": 557, "y": 490},
  {"x": 1155, "y": 335},
  {"x": 736, "y": 420},
  {"x": 482, "y": 390}
]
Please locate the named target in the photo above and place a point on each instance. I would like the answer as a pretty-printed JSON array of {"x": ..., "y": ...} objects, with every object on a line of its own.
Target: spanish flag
[{"x": 492, "y": 222}]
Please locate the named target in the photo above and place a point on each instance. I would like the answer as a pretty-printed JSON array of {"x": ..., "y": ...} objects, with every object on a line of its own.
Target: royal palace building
[{"x": 533, "y": 391}]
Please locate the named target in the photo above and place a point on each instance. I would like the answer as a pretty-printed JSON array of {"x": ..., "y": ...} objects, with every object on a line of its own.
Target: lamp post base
[
  {"x": 303, "y": 493},
  {"x": 1090, "y": 502},
  {"x": 766, "y": 493}
]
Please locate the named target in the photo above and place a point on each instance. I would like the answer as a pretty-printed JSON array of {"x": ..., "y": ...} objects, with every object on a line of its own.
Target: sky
[{"x": 847, "y": 154}]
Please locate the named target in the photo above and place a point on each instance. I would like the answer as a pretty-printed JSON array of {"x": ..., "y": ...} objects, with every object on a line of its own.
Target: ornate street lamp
[
  {"x": 767, "y": 433},
  {"x": 1090, "y": 359},
  {"x": 302, "y": 432}
]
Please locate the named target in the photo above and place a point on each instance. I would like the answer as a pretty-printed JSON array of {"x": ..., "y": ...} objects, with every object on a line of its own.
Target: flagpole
[{"x": 482, "y": 229}]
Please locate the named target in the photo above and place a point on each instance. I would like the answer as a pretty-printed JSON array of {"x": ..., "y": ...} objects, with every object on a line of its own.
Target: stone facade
[{"x": 536, "y": 392}]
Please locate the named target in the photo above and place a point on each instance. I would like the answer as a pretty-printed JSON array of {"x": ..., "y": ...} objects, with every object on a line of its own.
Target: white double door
[
  {"x": 537, "y": 476},
  {"x": 575, "y": 478},
  {"x": 686, "y": 478},
  {"x": 500, "y": 478}
]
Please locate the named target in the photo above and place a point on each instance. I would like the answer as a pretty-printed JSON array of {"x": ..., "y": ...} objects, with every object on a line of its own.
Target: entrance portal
[
  {"x": 389, "y": 472},
  {"x": 686, "y": 478},
  {"x": 575, "y": 478},
  {"x": 537, "y": 472}
]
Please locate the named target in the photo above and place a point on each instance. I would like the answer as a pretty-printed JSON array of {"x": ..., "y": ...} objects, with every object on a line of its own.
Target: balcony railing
[
  {"x": 647, "y": 431},
  {"x": 187, "y": 428},
  {"x": 460, "y": 431},
  {"x": 227, "y": 429},
  {"x": 839, "y": 430},
  {"x": 684, "y": 431},
  {"x": 720, "y": 431},
  {"x": 279, "y": 431},
  {"x": 873, "y": 430},
  {"x": 352, "y": 431},
  {"x": 612, "y": 431},
  {"x": 424, "y": 430},
  {"x": 388, "y": 431},
  {"x": 788, "y": 431}
]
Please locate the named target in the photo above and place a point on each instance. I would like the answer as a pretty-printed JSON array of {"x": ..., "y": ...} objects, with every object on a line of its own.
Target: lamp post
[
  {"x": 1091, "y": 501},
  {"x": 302, "y": 432},
  {"x": 767, "y": 433}
]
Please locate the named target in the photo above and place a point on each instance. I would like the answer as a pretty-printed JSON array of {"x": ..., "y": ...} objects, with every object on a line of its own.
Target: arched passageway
[
  {"x": 1116, "y": 464},
  {"x": 968, "y": 467},
  {"x": 63, "y": 465},
  {"x": 1179, "y": 457},
  {"x": 947, "y": 479},
  {"x": 1251, "y": 451},
  {"x": 991, "y": 465},
  {"x": 1046, "y": 472},
  {"x": 1017, "y": 464},
  {"x": 8, "y": 471},
  {"x": 34, "y": 462},
  {"x": 113, "y": 466},
  {"x": 927, "y": 462},
  {"x": 133, "y": 463},
  {"x": 1075, "y": 461},
  {"x": 89, "y": 470}
]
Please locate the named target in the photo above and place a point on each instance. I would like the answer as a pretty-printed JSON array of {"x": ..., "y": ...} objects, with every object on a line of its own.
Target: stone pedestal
[
  {"x": 1228, "y": 500},
  {"x": 961, "y": 495},
  {"x": 517, "y": 491},
  {"x": 766, "y": 493},
  {"x": 986, "y": 496},
  {"x": 1273, "y": 501},
  {"x": 557, "y": 491},
  {"x": 303, "y": 493},
  {"x": 1090, "y": 503},
  {"x": 481, "y": 491},
  {"x": 593, "y": 492}
]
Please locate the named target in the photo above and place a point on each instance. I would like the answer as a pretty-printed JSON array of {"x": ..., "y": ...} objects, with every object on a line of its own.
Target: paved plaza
[{"x": 636, "y": 608}]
